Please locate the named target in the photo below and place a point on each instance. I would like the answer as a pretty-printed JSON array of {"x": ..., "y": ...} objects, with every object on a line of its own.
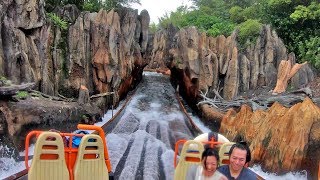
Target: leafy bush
[
  {"x": 221, "y": 28},
  {"x": 310, "y": 51},
  {"x": 57, "y": 21},
  {"x": 22, "y": 94},
  {"x": 153, "y": 28},
  {"x": 235, "y": 14},
  {"x": 249, "y": 31}
]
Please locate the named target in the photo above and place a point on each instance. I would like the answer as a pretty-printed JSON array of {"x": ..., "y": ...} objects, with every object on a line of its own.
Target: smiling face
[
  {"x": 237, "y": 159},
  {"x": 210, "y": 165}
]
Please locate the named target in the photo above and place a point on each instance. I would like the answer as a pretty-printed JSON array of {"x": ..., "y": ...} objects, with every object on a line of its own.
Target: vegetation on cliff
[
  {"x": 295, "y": 21},
  {"x": 89, "y": 5}
]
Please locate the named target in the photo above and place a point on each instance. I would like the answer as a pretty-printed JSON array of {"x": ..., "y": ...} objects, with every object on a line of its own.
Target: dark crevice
[
  {"x": 161, "y": 167},
  {"x": 148, "y": 127},
  {"x": 122, "y": 161},
  {"x": 158, "y": 131},
  {"x": 28, "y": 32},
  {"x": 139, "y": 173},
  {"x": 172, "y": 139}
]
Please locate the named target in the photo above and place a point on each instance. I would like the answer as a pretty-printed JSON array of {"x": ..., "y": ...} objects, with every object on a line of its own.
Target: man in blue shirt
[{"x": 239, "y": 155}]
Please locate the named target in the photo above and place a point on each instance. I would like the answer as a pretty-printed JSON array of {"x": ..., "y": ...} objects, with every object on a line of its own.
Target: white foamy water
[
  {"x": 151, "y": 123},
  {"x": 9, "y": 166},
  {"x": 273, "y": 176}
]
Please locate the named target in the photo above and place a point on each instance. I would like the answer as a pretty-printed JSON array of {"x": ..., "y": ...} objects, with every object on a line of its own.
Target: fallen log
[
  {"x": 13, "y": 89},
  {"x": 55, "y": 98},
  {"x": 262, "y": 102},
  {"x": 101, "y": 95}
]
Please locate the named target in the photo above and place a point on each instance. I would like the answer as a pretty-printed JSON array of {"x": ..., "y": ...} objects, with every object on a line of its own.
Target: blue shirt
[{"x": 245, "y": 174}]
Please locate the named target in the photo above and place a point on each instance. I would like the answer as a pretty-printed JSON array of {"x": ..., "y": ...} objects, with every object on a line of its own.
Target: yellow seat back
[
  {"x": 224, "y": 153},
  {"x": 90, "y": 163},
  {"x": 48, "y": 160},
  {"x": 190, "y": 155}
]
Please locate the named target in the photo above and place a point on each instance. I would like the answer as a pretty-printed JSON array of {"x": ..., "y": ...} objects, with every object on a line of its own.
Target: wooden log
[
  {"x": 13, "y": 89},
  {"x": 261, "y": 102},
  {"x": 101, "y": 95},
  {"x": 285, "y": 72}
]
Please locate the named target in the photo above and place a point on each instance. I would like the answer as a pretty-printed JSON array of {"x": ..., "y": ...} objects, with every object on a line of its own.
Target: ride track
[{"x": 112, "y": 123}]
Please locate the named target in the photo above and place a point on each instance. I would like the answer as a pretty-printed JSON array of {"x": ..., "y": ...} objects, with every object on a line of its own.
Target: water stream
[{"x": 140, "y": 145}]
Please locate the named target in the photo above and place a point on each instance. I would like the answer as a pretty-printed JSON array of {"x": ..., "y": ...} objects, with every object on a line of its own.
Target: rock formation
[
  {"x": 281, "y": 139},
  {"x": 104, "y": 52},
  {"x": 217, "y": 63},
  {"x": 288, "y": 69}
]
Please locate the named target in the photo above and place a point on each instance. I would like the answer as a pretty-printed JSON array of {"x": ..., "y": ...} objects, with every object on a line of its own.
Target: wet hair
[
  {"x": 210, "y": 152},
  {"x": 243, "y": 146}
]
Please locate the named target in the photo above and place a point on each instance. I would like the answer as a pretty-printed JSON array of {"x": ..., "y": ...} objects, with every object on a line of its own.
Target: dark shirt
[{"x": 245, "y": 174}]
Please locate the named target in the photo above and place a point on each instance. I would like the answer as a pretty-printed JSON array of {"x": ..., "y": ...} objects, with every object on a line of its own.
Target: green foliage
[
  {"x": 89, "y": 5},
  {"x": 153, "y": 28},
  {"x": 303, "y": 13},
  {"x": 221, "y": 28},
  {"x": 211, "y": 24},
  {"x": 250, "y": 13},
  {"x": 236, "y": 14},
  {"x": 296, "y": 22},
  {"x": 92, "y": 5},
  {"x": 249, "y": 31},
  {"x": 57, "y": 21},
  {"x": 309, "y": 50},
  {"x": 4, "y": 81},
  {"x": 22, "y": 94},
  {"x": 109, "y": 4}
]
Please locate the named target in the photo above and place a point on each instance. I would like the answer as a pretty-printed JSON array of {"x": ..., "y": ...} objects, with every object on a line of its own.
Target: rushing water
[{"x": 140, "y": 144}]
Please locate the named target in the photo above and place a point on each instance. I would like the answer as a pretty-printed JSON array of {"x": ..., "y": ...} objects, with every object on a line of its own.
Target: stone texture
[
  {"x": 26, "y": 14},
  {"x": 104, "y": 51},
  {"x": 279, "y": 138},
  {"x": 231, "y": 83},
  {"x": 194, "y": 54}
]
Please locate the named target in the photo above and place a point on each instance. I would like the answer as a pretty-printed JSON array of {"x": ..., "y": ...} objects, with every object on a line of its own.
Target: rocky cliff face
[
  {"x": 99, "y": 50},
  {"x": 206, "y": 63},
  {"x": 281, "y": 139},
  {"x": 104, "y": 52}
]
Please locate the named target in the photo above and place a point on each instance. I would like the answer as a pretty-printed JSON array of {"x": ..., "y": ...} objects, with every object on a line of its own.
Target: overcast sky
[{"x": 157, "y": 8}]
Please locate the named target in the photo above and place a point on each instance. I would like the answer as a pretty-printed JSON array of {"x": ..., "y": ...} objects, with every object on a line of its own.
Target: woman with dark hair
[{"x": 208, "y": 170}]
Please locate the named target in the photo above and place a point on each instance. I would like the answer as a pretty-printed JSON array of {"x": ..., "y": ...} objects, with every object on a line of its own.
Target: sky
[{"x": 157, "y": 8}]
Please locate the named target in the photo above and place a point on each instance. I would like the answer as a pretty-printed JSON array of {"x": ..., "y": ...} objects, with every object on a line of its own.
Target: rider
[{"x": 239, "y": 156}]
